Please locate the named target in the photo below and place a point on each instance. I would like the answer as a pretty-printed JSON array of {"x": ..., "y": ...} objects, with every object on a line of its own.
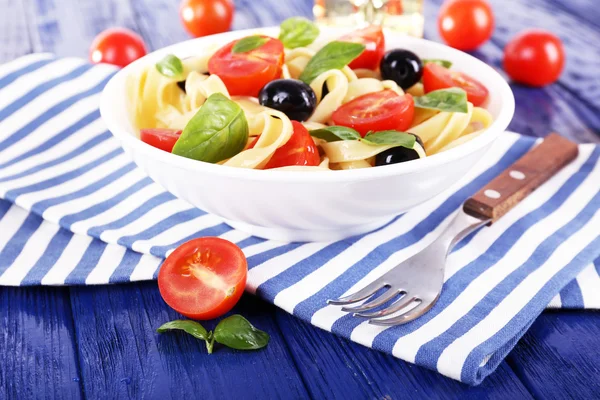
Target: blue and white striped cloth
[{"x": 76, "y": 211}]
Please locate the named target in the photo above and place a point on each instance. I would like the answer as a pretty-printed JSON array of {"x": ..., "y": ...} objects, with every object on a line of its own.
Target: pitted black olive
[
  {"x": 402, "y": 66},
  {"x": 292, "y": 97}
]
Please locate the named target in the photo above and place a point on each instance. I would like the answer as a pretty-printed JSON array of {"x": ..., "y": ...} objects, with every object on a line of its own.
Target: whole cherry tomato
[
  {"x": 206, "y": 17},
  {"x": 466, "y": 24},
  {"x": 117, "y": 46},
  {"x": 535, "y": 57},
  {"x": 203, "y": 278}
]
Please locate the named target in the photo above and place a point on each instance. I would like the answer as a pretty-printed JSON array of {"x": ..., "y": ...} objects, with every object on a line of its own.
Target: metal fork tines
[{"x": 414, "y": 285}]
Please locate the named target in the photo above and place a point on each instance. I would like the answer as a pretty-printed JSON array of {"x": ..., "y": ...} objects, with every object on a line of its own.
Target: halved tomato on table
[
  {"x": 436, "y": 77},
  {"x": 378, "y": 111},
  {"x": 374, "y": 41},
  {"x": 300, "y": 149},
  {"x": 163, "y": 139},
  {"x": 203, "y": 278},
  {"x": 244, "y": 74}
]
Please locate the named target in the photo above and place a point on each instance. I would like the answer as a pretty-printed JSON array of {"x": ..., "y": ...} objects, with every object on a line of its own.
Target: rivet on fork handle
[{"x": 514, "y": 184}]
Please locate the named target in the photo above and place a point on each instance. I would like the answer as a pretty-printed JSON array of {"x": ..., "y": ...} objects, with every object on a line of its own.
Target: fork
[{"x": 417, "y": 282}]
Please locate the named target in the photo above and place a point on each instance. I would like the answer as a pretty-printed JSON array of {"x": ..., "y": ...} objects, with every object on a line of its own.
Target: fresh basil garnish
[
  {"x": 443, "y": 63},
  {"x": 297, "y": 32},
  {"x": 449, "y": 100},
  {"x": 238, "y": 333},
  {"x": 249, "y": 43},
  {"x": 335, "y": 133},
  {"x": 390, "y": 138},
  {"x": 234, "y": 331},
  {"x": 218, "y": 131},
  {"x": 186, "y": 325},
  {"x": 170, "y": 66},
  {"x": 334, "y": 55}
]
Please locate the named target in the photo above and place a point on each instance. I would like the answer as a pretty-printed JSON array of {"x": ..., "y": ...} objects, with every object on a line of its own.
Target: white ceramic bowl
[{"x": 307, "y": 206}]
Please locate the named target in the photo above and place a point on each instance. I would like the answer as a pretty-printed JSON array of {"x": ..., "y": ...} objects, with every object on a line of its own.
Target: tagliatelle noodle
[
  {"x": 253, "y": 112},
  {"x": 276, "y": 131}
]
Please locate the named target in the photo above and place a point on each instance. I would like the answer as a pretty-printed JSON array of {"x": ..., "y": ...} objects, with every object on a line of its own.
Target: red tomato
[
  {"x": 534, "y": 57},
  {"x": 117, "y": 46},
  {"x": 378, "y": 111},
  {"x": 436, "y": 77},
  {"x": 163, "y": 139},
  {"x": 245, "y": 74},
  {"x": 203, "y": 278},
  {"x": 374, "y": 41},
  {"x": 206, "y": 17},
  {"x": 300, "y": 149},
  {"x": 466, "y": 24}
]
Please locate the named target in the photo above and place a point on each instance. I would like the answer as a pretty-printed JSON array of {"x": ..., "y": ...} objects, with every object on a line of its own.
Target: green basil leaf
[
  {"x": 334, "y": 55},
  {"x": 450, "y": 100},
  {"x": 218, "y": 131},
  {"x": 170, "y": 66},
  {"x": 191, "y": 327},
  {"x": 335, "y": 133},
  {"x": 238, "y": 333},
  {"x": 297, "y": 32},
  {"x": 443, "y": 63},
  {"x": 249, "y": 43},
  {"x": 387, "y": 138}
]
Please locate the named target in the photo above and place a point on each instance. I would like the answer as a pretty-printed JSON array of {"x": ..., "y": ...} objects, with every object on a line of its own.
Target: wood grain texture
[
  {"x": 122, "y": 356},
  {"x": 67, "y": 27},
  {"x": 558, "y": 357},
  {"x": 38, "y": 357},
  {"x": 534, "y": 168},
  {"x": 336, "y": 368},
  {"x": 13, "y": 30}
]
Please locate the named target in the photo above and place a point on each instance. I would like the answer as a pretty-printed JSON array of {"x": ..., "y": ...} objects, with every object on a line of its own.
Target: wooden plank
[
  {"x": 67, "y": 27},
  {"x": 122, "y": 356},
  {"x": 586, "y": 10},
  {"x": 13, "y": 31},
  {"x": 336, "y": 368},
  {"x": 558, "y": 357},
  {"x": 38, "y": 358},
  {"x": 538, "y": 111}
]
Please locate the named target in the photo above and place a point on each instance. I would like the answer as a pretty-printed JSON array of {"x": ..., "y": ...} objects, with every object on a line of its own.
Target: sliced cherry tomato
[
  {"x": 436, "y": 77},
  {"x": 203, "y": 278},
  {"x": 300, "y": 149},
  {"x": 466, "y": 24},
  {"x": 378, "y": 111},
  {"x": 206, "y": 17},
  {"x": 245, "y": 74},
  {"x": 117, "y": 46},
  {"x": 374, "y": 41},
  {"x": 163, "y": 139},
  {"x": 534, "y": 57}
]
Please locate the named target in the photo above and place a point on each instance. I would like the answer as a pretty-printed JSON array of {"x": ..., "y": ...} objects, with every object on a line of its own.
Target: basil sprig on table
[
  {"x": 334, "y": 55},
  {"x": 335, "y": 133},
  {"x": 443, "y": 63},
  {"x": 449, "y": 100},
  {"x": 382, "y": 138},
  {"x": 297, "y": 32},
  {"x": 234, "y": 331},
  {"x": 218, "y": 131},
  {"x": 170, "y": 66},
  {"x": 249, "y": 43}
]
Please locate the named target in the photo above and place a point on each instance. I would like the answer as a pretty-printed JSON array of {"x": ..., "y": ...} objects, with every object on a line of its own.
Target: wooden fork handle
[{"x": 522, "y": 178}]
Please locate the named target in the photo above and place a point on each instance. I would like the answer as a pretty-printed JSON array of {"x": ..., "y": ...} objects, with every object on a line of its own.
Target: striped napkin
[{"x": 75, "y": 210}]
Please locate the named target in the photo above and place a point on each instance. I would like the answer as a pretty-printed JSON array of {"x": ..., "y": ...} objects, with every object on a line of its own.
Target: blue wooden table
[{"x": 100, "y": 342}]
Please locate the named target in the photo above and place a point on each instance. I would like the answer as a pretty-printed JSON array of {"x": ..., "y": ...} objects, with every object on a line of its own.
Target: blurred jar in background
[{"x": 405, "y": 16}]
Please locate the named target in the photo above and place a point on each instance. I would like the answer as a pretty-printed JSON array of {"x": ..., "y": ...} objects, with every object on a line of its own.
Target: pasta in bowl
[{"x": 310, "y": 141}]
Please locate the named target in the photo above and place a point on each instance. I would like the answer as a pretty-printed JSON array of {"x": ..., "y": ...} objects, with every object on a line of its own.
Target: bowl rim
[{"x": 118, "y": 82}]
